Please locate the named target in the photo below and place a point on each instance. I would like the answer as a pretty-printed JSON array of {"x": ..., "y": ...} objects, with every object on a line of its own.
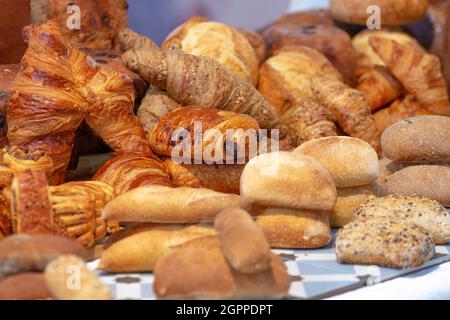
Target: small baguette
[
  {"x": 353, "y": 162},
  {"x": 423, "y": 139},
  {"x": 242, "y": 241},
  {"x": 429, "y": 181},
  {"x": 384, "y": 242},
  {"x": 138, "y": 249},
  {"x": 24, "y": 286},
  {"x": 294, "y": 229},
  {"x": 160, "y": 204},
  {"x": 424, "y": 212},
  {"x": 69, "y": 278},
  {"x": 202, "y": 273},
  {"x": 287, "y": 179}
]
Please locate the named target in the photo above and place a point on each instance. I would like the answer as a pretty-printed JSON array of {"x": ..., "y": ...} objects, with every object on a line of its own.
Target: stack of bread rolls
[{"x": 354, "y": 166}]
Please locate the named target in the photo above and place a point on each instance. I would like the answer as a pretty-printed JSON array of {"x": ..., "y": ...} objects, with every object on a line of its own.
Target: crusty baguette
[
  {"x": 430, "y": 181},
  {"x": 384, "y": 242},
  {"x": 202, "y": 273},
  {"x": 349, "y": 200},
  {"x": 171, "y": 205},
  {"x": 138, "y": 249},
  {"x": 287, "y": 179},
  {"x": 69, "y": 278},
  {"x": 24, "y": 286},
  {"x": 294, "y": 229},
  {"x": 424, "y": 139},
  {"x": 424, "y": 212},
  {"x": 352, "y": 161},
  {"x": 22, "y": 253},
  {"x": 243, "y": 242}
]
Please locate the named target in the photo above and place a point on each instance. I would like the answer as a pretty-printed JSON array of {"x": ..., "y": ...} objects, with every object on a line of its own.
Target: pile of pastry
[{"x": 204, "y": 214}]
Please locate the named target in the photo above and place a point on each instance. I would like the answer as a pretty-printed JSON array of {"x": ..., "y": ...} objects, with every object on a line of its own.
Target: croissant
[
  {"x": 398, "y": 110},
  {"x": 307, "y": 121},
  {"x": 56, "y": 89},
  {"x": 218, "y": 41},
  {"x": 285, "y": 78},
  {"x": 378, "y": 86},
  {"x": 349, "y": 108},
  {"x": 195, "y": 81},
  {"x": 220, "y": 178},
  {"x": 420, "y": 73},
  {"x": 127, "y": 172},
  {"x": 225, "y": 136}
]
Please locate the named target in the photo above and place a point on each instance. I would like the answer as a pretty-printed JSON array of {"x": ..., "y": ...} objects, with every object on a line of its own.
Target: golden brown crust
[
  {"x": 128, "y": 172},
  {"x": 289, "y": 228},
  {"x": 8, "y": 73},
  {"x": 285, "y": 78},
  {"x": 306, "y": 17},
  {"x": 169, "y": 136},
  {"x": 24, "y": 286},
  {"x": 221, "y": 178},
  {"x": 332, "y": 42},
  {"x": 243, "y": 243},
  {"x": 257, "y": 42},
  {"x": 286, "y": 179},
  {"x": 393, "y": 12}
]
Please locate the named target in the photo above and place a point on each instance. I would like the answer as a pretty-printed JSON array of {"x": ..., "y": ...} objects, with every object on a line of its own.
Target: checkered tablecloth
[{"x": 315, "y": 274}]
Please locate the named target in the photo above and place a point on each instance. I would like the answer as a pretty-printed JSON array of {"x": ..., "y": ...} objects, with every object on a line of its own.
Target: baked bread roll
[
  {"x": 424, "y": 212},
  {"x": 23, "y": 253},
  {"x": 293, "y": 228},
  {"x": 307, "y": 121},
  {"x": 400, "y": 109},
  {"x": 257, "y": 42},
  {"x": 243, "y": 243},
  {"x": 226, "y": 45},
  {"x": 285, "y": 78},
  {"x": 420, "y": 73},
  {"x": 429, "y": 181},
  {"x": 139, "y": 248},
  {"x": 393, "y": 12},
  {"x": 201, "y": 273},
  {"x": 171, "y": 205},
  {"x": 286, "y": 179},
  {"x": 348, "y": 201},
  {"x": 59, "y": 277},
  {"x": 332, "y": 42},
  {"x": 226, "y": 135},
  {"x": 308, "y": 17},
  {"x": 128, "y": 172},
  {"x": 351, "y": 161},
  {"x": 422, "y": 139},
  {"x": 24, "y": 286},
  {"x": 349, "y": 108},
  {"x": 391, "y": 243},
  {"x": 221, "y": 178}
]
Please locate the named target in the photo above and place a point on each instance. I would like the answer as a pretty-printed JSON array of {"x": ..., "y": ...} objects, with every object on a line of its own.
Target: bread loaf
[
  {"x": 424, "y": 212},
  {"x": 307, "y": 17},
  {"x": 424, "y": 139},
  {"x": 242, "y": 241},
  {"x": 293, "y": 228},
  {"x": 384, "y": 242},
  {"x": 22, "y": 253},
  {"x": 60, "y": 273},
  {"x": 352, "y": 161},
  {"x": 348, "y": 201},
  {"x": 288, "y": 179},
  {"x": 24, "y": 286},
  {"x": 202, "y": 273},
  {"x": 429, "y": 181},
  {"x": 171, "y": 205},
  {"x": 257, "y": 42},
  {"x": 139, "y": 248}
]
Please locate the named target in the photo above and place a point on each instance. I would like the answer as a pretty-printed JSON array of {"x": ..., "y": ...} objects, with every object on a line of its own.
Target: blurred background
[{"x": 156, "y": 18}]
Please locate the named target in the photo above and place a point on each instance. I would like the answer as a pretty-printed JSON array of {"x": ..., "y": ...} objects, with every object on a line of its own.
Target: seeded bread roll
[
  {"x": 24, "y": 286},
  {"x": 287, "y": 179},
  {"x": 352, "y": 161},
  {"x": 424, "y": 212},
  {"x": 384, "y": 242},
  {"x": 423, "y": 139},
  {"x": 430, "y": 181},
  {"x": 349, "y": 200},
  {"x": 242, "y": 241},
  {"x": 294, "y": 229}
]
